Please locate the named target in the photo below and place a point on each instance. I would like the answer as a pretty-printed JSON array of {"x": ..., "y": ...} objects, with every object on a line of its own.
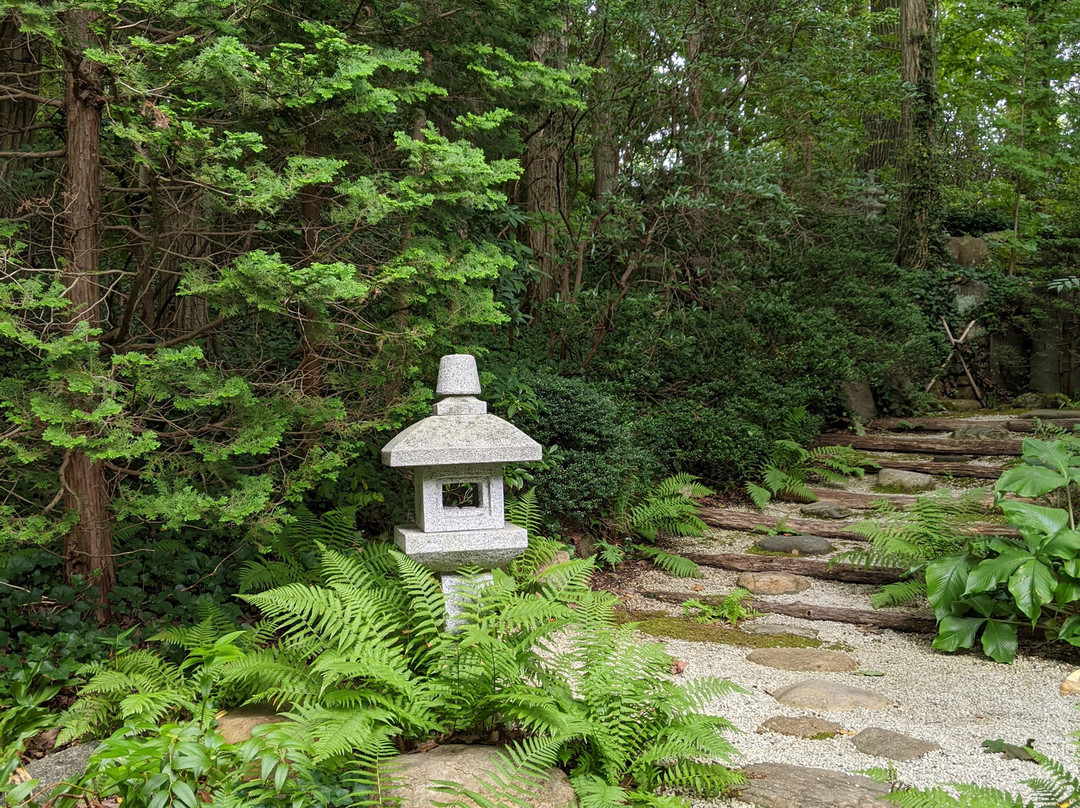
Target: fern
[
  {"x": 673, "y": 564},
  {"x": 294, "y": 552},
  {"x": 909, "y": 539}
]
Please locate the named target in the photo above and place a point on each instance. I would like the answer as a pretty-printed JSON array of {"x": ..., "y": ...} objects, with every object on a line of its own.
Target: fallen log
[
  {"x": 887, "y": 443},
  {"x": 846, "y": 573},
  {"x": 746, "y": 522},
  {"x": 1029, "y": 426},
  {"x": 922, "y": 424},
  {"x": 941, "y": 469},
  {"x": 861, "y": 502},
  {"x": 808, "y": 611}
]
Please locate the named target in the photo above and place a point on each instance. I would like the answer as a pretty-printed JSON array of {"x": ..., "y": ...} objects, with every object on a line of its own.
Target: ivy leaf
[
  {"x": 955, "y": 632},
  {"x": 1032, "y": 585},
  {"x": 993, "y": 571},
  {"x": 1030, "y": 481},
  {"x": 999, "y": 641},
  {"x": 946, "y": 580}
]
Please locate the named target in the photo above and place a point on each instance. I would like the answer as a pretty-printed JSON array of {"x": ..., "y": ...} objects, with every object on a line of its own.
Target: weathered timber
[
  {"x": 1029, "y": 426},
  {"x": 951, "y": 469},
  {"x": 808, "y": 611},
  {"x": 746, "y": 522},
  {"x": 888, "y": 443},
  {"x": 847, "y": 573},
  {"x": 858, "y": 501},
  {"x": 903, "y": 425}
]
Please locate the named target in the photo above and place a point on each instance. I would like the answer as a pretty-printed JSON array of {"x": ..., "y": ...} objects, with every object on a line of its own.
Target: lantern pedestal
[{"x": 452, "y": 550}]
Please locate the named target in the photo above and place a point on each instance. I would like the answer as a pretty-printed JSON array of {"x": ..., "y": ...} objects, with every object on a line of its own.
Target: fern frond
[{"x": 671, "y": 563}]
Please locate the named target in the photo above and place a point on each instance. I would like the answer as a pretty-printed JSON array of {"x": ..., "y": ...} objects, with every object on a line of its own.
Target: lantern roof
[{"x": 462, "y": 431}]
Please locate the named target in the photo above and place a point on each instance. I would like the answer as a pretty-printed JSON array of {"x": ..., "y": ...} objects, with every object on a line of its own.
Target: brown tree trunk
[
  {"x": 920, "y": 196},
  {"x": 883, "y": 134},
  {"x": 605, "y": 154},
  {"x": 19, "y": 69},
  {"x": 88, "y": 550}
]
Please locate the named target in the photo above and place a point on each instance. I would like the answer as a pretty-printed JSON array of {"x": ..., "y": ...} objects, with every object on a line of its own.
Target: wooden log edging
[
  {"x": 845, "y": 573},
  {"x": 834, "y": 614},
  {"x": 746, "y": 522},
  {"x": 953, "y": 469},
  {"x": 888, "y": 443}
]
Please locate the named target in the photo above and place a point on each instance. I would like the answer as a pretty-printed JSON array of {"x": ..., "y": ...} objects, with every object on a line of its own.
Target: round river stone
[
  {"x": 802, "y": 545},
  {"x": 772, "y": 583},
  {"x": 803, "y": 659},
  {"x": 830, "y": 696}
]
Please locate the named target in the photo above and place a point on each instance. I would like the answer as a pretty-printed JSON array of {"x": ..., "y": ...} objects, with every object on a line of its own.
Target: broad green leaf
[
  {"x": 1035, "y": 517},
  {"x": 955, "y": 632},
  {"x": 946, "y": 579},
  {"x": 1070, "y": 630},
  {"x": 1052, "y": 453},
  {"x": 994, "y": 571},
  {"x": 1064, "y": 544},
  {"x": 1031, "y": 586},
  {"x": 1067, "y": 591},
  {"x": 1030, "y": 481},
  {"x": 999, "y": 641}
]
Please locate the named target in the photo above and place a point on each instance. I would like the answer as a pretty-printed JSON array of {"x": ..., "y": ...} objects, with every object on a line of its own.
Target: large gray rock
[
  {"x": 467, "y": 766},
  {"x": 772, "y": 583},
  {"x": 799, "y": 545},
  {"x": 859, "y": 400},
  {"x": 1030, "y": 400},
  {"x": 982, "y": 432},
  {"x": 802, "y": 726},
  {"x": 908, "y": 482},
  {"x": 892, "y": 745},
  {"x": 779, "y": 785},
  {"x": 804, "y": 659},
  {"x": 830, "y": 696},
  {"x": 825, "y": 510},
  {"x": 65, "y": 766},
  {"x": 968, "y": 251}
]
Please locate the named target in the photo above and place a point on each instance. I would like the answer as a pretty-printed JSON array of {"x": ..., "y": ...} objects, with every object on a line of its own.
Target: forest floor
[{"x": 942, "y": 706}]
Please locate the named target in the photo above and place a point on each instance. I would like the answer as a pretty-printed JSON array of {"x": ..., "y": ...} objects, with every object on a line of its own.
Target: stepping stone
[
  {"x": 830, "y": 696},
  {"x": 892, "y": 745},
  {"x": 798, "y": 545},
  {"x": 753, "y": 627},
  {"x": 804, "y": 659},
  {"x": 803, "y": 726},
  {"x": 826, "y": 510},
  {"x": 982, "y": 432},
  {"x": 236, "y": 725},
  {"x": 908, "y": 482},
  {"x": 779, "y": 785},
  {"x": 772, "y": 583}
]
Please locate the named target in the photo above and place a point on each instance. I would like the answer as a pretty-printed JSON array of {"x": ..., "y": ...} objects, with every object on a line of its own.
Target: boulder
[
  {"x": 968, "y": 251},
  {"x": 1071, "y": 684},
  {"x": 772, "y": 583},
  {"x": 908, "y": 482},
  {"x": 859, "y": 399},
  {"x": 1031, "y": 400},
  {"x": 892, "y": 745},
  {"x": 804, "y": 659},
  {"x": 826, "y": 510},
  {"x": 65, "y": 766},
  {"x": 236, "y": 725},
  {"x": 779, "y": 785},
  {"x": 982, "y": 432},
  {"x": 797, "y": 545},
  {"x": 803, "y": 726},
  {"x": 817, "y": 694},
  {"x": 468, "y": 766}
]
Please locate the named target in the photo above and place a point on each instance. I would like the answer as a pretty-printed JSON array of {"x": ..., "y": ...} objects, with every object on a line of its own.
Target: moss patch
[
  {"x": 821, "y": 736},
  {"x": 667, "y": 627}
]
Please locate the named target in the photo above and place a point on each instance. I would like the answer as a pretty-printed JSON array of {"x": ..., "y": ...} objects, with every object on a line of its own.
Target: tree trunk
[
  {"x": 88, "y": 550},
  {"x": 883, "y": 134},
  {"x": 920, "y": 197},
  {"x": 19, "y": 69},
  {"x": 605, "y": 154}
]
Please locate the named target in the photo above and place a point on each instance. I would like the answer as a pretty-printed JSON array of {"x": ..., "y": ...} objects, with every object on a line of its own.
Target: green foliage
[
  {"x": 789, "y": 467},
  {"x": 730, "y": 609},
  {"x": 997, "y": 583}
]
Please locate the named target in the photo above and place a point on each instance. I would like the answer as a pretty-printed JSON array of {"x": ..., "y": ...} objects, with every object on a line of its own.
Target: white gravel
[{"x": 957, "y": 701}]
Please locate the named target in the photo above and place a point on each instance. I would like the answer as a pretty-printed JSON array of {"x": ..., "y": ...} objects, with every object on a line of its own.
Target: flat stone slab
[
  {"x": 804, "y": 659},
  {"x": 772, "y": 583},
  {"x": 467, "y": 766},
  {"x": 797, "y": 545},
  {"x": 982, "y": 432},
  {"x": 892, "y": 745},
  {"x": 779, "y": 785},
  {"x": 909, "y": 482},
  {"x": 802, "y": 726},
  {"x": 236, "y": 725},
  {"x": 824, "y": 509},
  {"x": 830, "y": 697}
]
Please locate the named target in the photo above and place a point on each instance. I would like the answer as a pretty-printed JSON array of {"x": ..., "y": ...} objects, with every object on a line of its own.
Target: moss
[
  {"x": 757, "y": 551},
  {"x": 663, "y": 626},
  {"x": 895, "y": 489},
  {"x": 822, "y": 736}
]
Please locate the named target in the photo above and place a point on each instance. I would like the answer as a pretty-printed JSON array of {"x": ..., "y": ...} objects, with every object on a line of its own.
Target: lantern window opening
[{"x": 463, "y": 494}]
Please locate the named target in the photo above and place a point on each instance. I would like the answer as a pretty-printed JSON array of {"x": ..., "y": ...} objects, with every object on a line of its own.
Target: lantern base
[{"x": 453, "y": 549}]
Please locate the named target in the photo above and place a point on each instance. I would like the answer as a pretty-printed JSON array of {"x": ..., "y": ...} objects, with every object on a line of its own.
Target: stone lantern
[{"x": 457, "y": 455}]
